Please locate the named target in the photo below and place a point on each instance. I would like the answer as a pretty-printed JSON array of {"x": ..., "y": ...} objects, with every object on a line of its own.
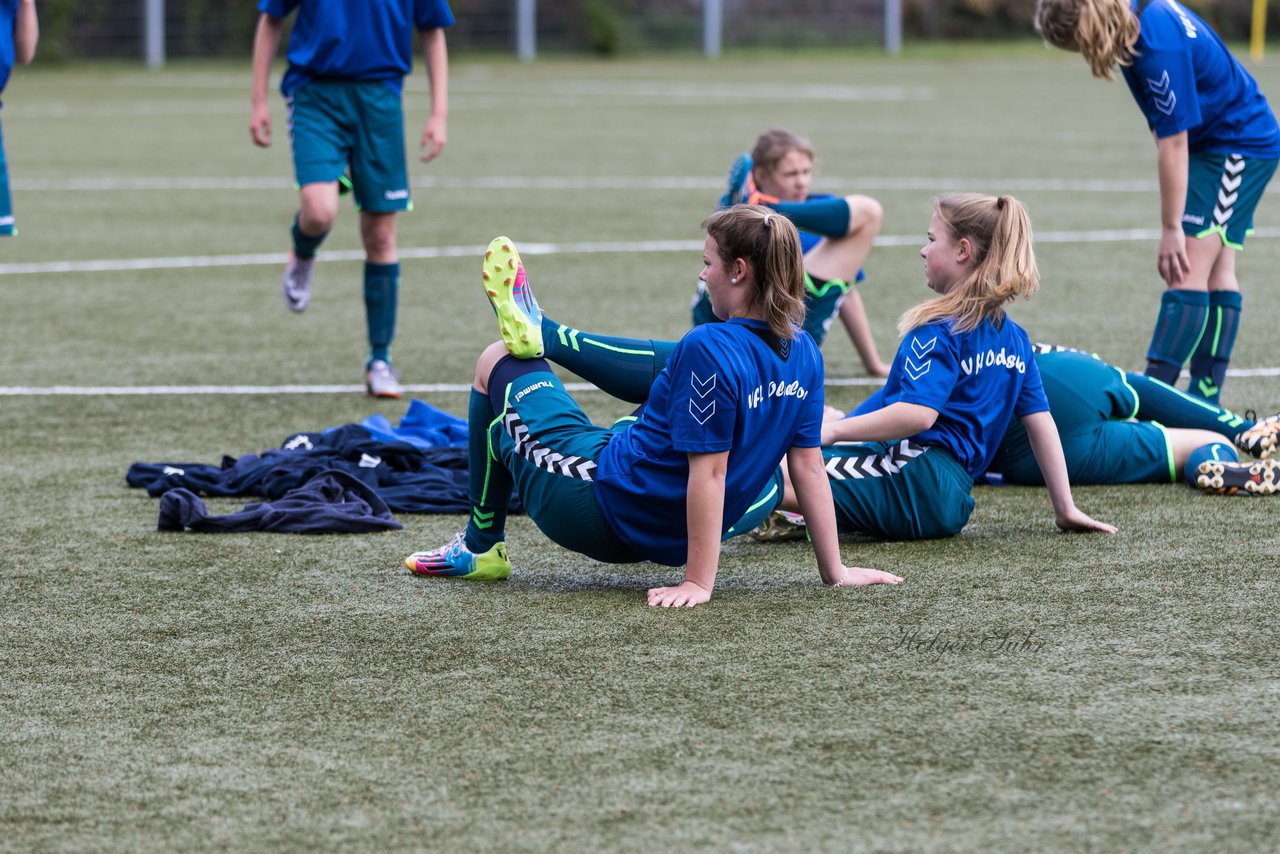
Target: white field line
[
  {"x": 531, "y": 249},
  {"x": 244, "y": 183},
  {"x": 433, "y": 388}
]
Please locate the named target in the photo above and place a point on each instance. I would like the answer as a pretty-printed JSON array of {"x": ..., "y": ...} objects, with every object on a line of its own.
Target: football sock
[
  {"x": 488, "y": 481},
  {"x": 1161, "y": 402},
  {"x": 828, "y": 216},
  {"x": 1213, "y": 354},
  {"x": 822, "y": 298},
  {"x": 1215, "y": 451},
  {"x": 304, "y": 245},
  {"x": 622, "y": 367},
  {"x": 381, "y": 292},
  {"x": 1178, "y": 330}
]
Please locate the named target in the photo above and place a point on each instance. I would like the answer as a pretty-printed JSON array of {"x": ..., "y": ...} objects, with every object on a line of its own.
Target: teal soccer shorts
[
  {"x": 550, "y": 447},
  {"x": 1222, "y": 192},
  {"x": 341, "y": 124}
]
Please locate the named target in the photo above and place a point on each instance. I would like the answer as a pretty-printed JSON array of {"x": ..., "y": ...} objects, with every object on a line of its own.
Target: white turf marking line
[
  {"x": 531, "y": 249},
  {"x": 433, "y": 388},
  {"x": 244, "y": 183}
]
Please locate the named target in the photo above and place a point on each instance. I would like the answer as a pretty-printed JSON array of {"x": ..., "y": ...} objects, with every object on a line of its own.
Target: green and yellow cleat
[{"x": 505, "y": 283}]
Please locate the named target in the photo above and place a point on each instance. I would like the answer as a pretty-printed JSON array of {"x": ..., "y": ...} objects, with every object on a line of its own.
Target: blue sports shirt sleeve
[
  {"x": 1031, "y": 397},
  {"x": 1164, "y": 85},
  {"x": 702, "y": 407},
  {"x": 432, "y": 14},
  {"x": 929, "y": 366},
  {"x": 278, "y": 8}
]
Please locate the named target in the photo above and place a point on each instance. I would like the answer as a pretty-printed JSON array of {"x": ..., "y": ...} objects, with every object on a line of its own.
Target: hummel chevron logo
[
  {"x": 702, "y": 413},
  {"x": 369, "y": 462},
  {"x": 917, "y": 371},
  {"x": 1234, "y": 165},
  {"x": 1232, "y": 184},
  {"x": 922, "y": 349},
  {"x": 298, "y": 441},
  {"x": 572, "y": 339},
  {"x": 1162, "y": 95},
  {"x": 170, "y": 471},
  {"x": 701, "y": 386}
]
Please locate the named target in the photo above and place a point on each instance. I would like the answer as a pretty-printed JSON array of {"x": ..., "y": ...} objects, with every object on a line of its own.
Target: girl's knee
[
  {"x": 489, "y": 358},
  {"x": 864, "y": 211}
]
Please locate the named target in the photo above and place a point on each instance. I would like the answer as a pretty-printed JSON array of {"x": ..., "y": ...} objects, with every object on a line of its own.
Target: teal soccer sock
[
  {"x": 622, "y": 367},
  {"x": 1167, "y": 405},
  {"x": 488, "y": 481},
  {"x": 1213, "y": 354},
  {"x": 1178, "y": 330},
  {"x": 381, "y": 293},
  {"x": 304, "y": 245},
  {"x": 1217, "y": 451}
]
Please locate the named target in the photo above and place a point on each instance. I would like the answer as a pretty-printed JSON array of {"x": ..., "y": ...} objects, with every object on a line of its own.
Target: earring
[{"x": 733, "y": 280}]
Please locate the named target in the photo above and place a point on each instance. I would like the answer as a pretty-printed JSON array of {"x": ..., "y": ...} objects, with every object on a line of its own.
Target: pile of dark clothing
[{"x": 345, "y": 479}]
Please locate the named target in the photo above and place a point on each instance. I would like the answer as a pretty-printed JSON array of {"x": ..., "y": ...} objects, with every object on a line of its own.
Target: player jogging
[
  {"x": 1217, "y": 144},
  {"x": 347, "y": 63}
]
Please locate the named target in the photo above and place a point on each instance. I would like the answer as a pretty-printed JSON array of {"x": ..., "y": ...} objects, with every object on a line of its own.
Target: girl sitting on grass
[
  {"x": 963, "y": 370},
  {"x": 836, "y": 235},
  {"x": 731, "y": 400}
]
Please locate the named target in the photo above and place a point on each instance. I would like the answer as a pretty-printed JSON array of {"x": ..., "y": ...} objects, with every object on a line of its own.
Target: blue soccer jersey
[
  {"x": 355, "y": 39},
  {"x": 1185, "y": 79},
  {"x": 725, "y": 388},
  {"x": 8, "y": 14},
  {"x": 975, "y": 380}
]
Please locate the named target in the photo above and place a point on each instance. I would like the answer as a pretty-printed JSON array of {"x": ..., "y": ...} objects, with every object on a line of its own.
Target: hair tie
[{"x": 767, "y": 218}]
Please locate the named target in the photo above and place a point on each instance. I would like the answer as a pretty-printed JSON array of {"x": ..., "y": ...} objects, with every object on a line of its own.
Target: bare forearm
[
  {"x": 853, "y": 316},
  {"x": 813, "y": 492},
  {"x": 436, "y": 59},
  {"x": 895, "y": 421},
  {"x": 704, "y": 516},
  {"x": 26, "y": 32},
  {"x": 266, "y": 41},
  {"x": 1172, "y": 163},
  {"x": 1046, "y": 445}
]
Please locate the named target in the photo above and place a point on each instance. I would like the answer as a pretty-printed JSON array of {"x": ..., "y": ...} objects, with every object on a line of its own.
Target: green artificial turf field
[{"x": 1022, "y": 690}]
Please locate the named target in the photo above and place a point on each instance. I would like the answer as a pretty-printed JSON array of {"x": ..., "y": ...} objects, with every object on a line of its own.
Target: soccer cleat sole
[
  {"x": 500, "y": 273},
  {"x": 1263, "y": 439},
  {"x": 1225, "y": 478}
]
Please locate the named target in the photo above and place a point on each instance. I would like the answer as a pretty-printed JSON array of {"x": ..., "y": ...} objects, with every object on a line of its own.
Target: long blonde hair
[
  {"x": 769, "y": 243},
  {"x": 1004, "y": 265},
  {"x": 1104, "y": 32}
]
